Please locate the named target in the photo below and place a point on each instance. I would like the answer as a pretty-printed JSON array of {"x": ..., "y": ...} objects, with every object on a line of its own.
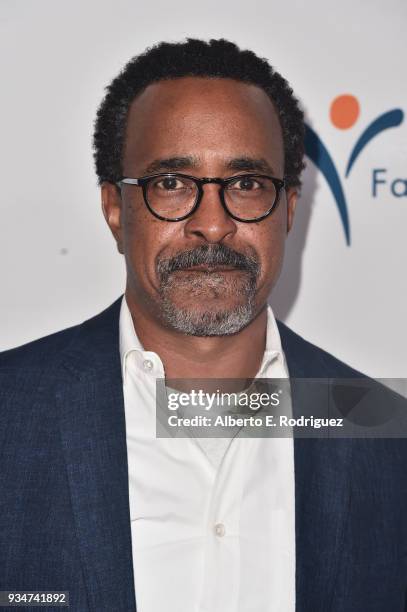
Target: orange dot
[{"x": 344, "y": 111}]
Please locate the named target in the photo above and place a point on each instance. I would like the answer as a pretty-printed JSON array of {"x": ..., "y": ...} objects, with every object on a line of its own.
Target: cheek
[
  {"x": 268, "y": 238},
  {"x": 139, "y": 229},
  {"x": 144, "y": 237}
]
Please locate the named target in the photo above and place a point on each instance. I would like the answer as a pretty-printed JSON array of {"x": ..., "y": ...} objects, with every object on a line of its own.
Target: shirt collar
[
  {"x": 273, "y": 348},
  {"x": 129, "y": 341}
]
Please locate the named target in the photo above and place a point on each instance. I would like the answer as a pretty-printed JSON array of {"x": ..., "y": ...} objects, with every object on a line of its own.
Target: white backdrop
[{"x": 58, "y": 261}]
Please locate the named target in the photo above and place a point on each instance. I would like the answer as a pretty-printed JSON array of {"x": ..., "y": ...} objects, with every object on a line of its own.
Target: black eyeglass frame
[{"x": 143, "y": 182}]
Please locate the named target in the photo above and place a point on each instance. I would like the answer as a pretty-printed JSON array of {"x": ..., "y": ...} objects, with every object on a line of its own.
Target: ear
[
  {"x": 112, "y": 211},
  {"x": 292, "y": 197}
]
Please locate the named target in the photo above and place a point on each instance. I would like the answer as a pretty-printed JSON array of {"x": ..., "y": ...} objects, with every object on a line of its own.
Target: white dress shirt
[{"x": 212, "y": 520}]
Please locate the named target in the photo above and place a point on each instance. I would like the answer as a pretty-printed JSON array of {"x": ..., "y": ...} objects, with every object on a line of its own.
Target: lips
[{"x": 206, "y": 268}]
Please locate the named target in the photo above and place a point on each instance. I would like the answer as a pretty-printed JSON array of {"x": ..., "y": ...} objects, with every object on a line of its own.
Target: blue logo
[{"x": 344, "y": 113}]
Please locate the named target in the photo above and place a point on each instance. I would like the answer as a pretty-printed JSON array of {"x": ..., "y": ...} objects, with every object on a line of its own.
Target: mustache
[{"x": 209, "y": 255}]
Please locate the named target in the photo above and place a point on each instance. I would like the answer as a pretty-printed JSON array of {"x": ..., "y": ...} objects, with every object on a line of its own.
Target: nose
[{"x": 210, "y": 221}]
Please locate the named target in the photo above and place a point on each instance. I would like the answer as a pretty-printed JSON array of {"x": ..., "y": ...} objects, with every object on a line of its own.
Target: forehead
[{"x": 200, "y": 117}]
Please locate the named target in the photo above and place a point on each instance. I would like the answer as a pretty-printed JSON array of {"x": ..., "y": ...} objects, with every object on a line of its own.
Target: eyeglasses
[{"x": 174, "y": 197}]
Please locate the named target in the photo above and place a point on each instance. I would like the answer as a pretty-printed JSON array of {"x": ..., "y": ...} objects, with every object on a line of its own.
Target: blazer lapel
[
  {"x": 322, "y": 492},
  {"x": 91, "y": 412}
]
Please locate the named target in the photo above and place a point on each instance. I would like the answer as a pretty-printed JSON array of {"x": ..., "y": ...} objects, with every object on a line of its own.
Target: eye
[
  {"x": 169, "y": 183},
  {"x": 246, "y": 183}
]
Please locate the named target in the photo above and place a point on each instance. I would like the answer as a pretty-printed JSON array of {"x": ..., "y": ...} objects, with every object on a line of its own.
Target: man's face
[{"x": 208, "y": 274}]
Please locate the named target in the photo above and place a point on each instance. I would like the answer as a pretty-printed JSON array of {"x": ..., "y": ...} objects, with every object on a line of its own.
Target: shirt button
[
  {"x": 220, "y": 530},
  {"x": 148, "y": 365}
]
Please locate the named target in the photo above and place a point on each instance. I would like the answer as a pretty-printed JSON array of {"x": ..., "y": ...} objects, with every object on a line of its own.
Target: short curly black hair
[{"x": 214, "y": 59}]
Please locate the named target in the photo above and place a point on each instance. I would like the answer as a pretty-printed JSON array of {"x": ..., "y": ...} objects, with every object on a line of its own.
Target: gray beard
[
  {"x": 207, "y": 322},
  {"x": 216, "y": 322}
]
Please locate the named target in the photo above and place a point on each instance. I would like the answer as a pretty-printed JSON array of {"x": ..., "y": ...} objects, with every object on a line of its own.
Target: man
[{"x": 199, "y": 150}]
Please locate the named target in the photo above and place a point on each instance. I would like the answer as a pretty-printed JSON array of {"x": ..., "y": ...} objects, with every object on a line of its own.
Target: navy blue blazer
[{"x": 64, "y": 520}]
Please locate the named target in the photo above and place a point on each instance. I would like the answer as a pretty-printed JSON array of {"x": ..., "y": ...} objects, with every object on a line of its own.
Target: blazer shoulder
[
  {"x": 38, "y": 353},
  {"x": 45, "y": 353},
  {"x": 315, "y": 360}
]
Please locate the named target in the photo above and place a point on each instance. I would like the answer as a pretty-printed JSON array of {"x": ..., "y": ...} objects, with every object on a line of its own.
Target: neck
[{"x": 235, "y": 356}]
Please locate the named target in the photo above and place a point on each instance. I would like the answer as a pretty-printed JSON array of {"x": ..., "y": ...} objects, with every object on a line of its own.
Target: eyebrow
[
  {"x": 171, "y": 163},
  {"x": 244, "y": 163},
  {"x": 251, "y": 164}
]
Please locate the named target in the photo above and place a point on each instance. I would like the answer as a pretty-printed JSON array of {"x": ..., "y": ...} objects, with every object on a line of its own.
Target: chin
[{"x": 217, "y": 319}]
